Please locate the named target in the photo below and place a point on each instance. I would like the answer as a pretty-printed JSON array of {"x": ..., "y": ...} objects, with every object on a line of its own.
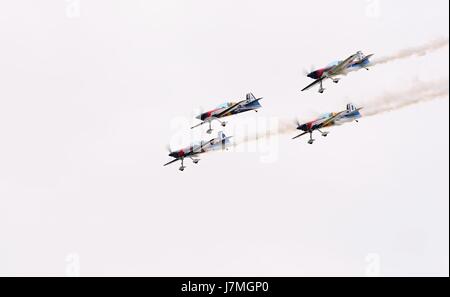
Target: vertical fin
[
  {"x": 351, "y": 107},
  {"x": 250, "y": 97}
]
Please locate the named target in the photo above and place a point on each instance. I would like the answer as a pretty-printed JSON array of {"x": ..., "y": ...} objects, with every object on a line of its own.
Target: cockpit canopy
[
  {"x": 225, "y": 105},
  {"x": 325, "y": 115},
  {"x": 333, "y": 64}
]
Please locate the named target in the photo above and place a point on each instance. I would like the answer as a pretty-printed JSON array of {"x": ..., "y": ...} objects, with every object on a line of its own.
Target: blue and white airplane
[
  {"x": 329, "y": 119},
  {"x": 221, "y": 142},
  {"x": 251, "y": 103},
  {"x": 353, "y": 63}
]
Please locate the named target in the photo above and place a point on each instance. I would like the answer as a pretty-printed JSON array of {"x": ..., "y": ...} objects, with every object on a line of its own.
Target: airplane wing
[
  {"x": 201, "y": 124},
  {"x": 205, "y": 122},
  {"x": 171, "y": 162},
  {"x": 198, "y": 149},
  {"x": 230, "y": 109},
  {"x": 343, "y": 65},
  {"x": 298, "y": 136},
  {"x": 331, "y": 119},
  {"x": 314, "y": 83}
]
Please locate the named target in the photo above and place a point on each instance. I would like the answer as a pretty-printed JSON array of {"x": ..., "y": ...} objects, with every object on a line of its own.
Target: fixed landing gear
[
  {"x": 182, "y": 165},
  {"x": 195, "y": 161},
  {"x": 311, "y": 140},
  {"x": 210, "y": 130},
  {"x": 321, "y": 89},
  {"x": 324, "y": 134},
  {"x": 336, "y": 80}
]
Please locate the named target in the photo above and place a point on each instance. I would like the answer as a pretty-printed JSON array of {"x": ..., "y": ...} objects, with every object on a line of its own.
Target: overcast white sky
[{"x": 92, "y": 91}]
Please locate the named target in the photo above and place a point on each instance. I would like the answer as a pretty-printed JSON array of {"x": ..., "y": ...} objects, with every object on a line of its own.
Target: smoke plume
[
  {"x": 284, "y": 126},
  {"x": 390, "y": 101},
  {"x": 413, "y": 51},
  {"x": 420, "y": 92}
]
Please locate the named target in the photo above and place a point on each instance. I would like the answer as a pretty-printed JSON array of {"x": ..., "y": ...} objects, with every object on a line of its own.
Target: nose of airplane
[
  {"x": 199, "y": 117},
  {"x": 314, "y": 75},
  {"x": 303, "y": 127},
  {"x": 173, "y": 155}
]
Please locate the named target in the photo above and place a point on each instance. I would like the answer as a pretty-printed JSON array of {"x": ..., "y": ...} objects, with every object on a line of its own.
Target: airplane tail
[
  {"x": 224, "y": 140},
  {"x": 360, "y": 55},
  {"x": 221, "y": 136},
  {"x": 363, "y": 59},
  {"x": 250, "y": 97},
  {"x": 252, "y": 102},
  {"x": 351, "y": 107}
]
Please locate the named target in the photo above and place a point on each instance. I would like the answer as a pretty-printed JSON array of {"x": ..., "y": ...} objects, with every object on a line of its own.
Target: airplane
[
  {"x": 192, "y": 152},
  {"x": 353, "y": 63},
  {"x": 327, "y": 120},
  {"x": 251, "y": 103}
]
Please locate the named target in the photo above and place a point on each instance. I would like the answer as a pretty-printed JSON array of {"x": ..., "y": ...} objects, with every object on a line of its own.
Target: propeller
[
  {"x": 200, "y": 110},
  {"x": 311, "y": 69},
  {"x": 169, "y": 150}
]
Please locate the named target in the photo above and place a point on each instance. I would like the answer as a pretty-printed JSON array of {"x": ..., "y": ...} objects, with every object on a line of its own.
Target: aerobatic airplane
[
  {"x": 330, "y": 119},
  {"x": 192, "y": 152},
  {"x": 353, "y": 63},
  {"x": 251, "y": 103}
]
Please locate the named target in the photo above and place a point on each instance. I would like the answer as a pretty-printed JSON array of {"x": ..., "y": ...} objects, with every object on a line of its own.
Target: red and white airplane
[
  {"x": 222, "y": 142},
  {"x": 353, "y": 63},
  {"x": 251, "y": 103},
  {"x": 327, "y": 120}
]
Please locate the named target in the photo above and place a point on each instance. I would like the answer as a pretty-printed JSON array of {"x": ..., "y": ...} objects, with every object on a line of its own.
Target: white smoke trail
[
  {"x": 414, "y": 51},
  {"x": 284, "y": 126},
  {"x": 420, "y": 92},
  {"x": 390, "y": 101}
]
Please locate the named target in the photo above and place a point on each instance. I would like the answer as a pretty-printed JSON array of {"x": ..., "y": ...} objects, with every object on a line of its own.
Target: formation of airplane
[
  {"x": 221, "y": 142},
  {"x": 353, "y": 63},
  {"x": 251, "y": 103},
  {"x": 327, "y": 120}
]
